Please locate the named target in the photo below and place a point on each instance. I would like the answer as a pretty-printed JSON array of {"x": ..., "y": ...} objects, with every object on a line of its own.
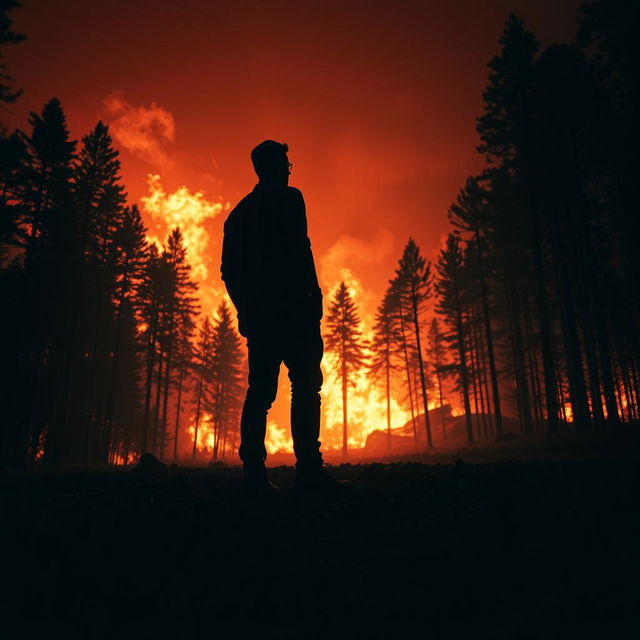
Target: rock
[{"x": 148, "y": 463}]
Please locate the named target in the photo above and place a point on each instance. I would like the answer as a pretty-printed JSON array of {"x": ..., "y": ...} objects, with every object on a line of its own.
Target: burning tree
[
  {"x": 413, "y": 286},
  {"x": 344, "y": 339}
]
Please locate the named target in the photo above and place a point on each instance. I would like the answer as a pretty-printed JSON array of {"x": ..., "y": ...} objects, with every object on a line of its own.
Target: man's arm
[
  {"x": 230, "y": 266},
  {"x": 308, "y": 272}
]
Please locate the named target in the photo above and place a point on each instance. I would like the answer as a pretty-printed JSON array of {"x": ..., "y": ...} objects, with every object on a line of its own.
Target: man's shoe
[
  {"x": 256, "y": 483},
  {"x": 317, "y": 483}
]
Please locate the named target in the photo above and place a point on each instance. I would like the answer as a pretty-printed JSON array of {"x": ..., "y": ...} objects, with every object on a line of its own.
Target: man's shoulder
[
  {"x": 236, "y": 214},
  {"x": 294, "y": 198},
  {"x": 294, "y": 193}
]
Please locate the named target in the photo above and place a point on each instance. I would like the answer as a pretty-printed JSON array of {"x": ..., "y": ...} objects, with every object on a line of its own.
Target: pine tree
[
  {"x": 149, "y": 301},
  {"x": 40, "y": 195},
  {"x": 226, "y": 376},
  {"x": 386, "y": 336},
  {"x": 438, "y": 357},
  {"x": 413, "y": 282},
  {"x": 100, "y": 198},
  {"x": 344, "y": 339},
  {"x": 129, "y": 265},
  {"x": 508, "y": 136},
  {"x": 203, "y": 375},
  {"x": 469, "y": 214},
  {"x": 449, "y": 287},
  {"x": 178, "y": 310}
]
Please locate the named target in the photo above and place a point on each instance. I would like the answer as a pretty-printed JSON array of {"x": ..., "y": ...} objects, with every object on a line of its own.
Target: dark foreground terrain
[{"x": 520, "y": 548}]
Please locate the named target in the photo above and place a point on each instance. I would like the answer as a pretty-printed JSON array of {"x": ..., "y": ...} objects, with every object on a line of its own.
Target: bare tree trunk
[
  {"x": 216, "y": 419},
  {"x": 165, "y": 402},
  {"x": 178, "y": 404},
  {"x": 151, "y": 349},
  {"x": 575, "y": 373},
  {"x": 406, "y": 362},
  {"x": 345, "y": 451},
  {"x": 464, "y": 375},
  {"x": 388, "y": 389},
  {"x": 156, "y": 415},
  {"x": 548, "y": 365},
  {"x": 474, "y": 375},
  {"x": 198, "y": 407},
  {"x": 416, "y": 327}
]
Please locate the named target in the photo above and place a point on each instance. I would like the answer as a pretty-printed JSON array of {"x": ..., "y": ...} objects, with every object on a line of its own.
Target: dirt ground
[{"x": 522, "y": 540}]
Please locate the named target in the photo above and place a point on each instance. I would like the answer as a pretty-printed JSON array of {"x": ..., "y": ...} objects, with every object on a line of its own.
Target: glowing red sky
[{"x": 376, "y": 100}]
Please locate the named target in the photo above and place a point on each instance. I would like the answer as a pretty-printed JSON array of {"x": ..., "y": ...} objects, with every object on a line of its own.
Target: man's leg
[
  {"x": 264, "y": 366},
  {"x": 303, "y": 355}
]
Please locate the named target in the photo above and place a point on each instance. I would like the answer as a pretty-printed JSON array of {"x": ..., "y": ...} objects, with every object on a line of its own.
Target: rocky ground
[{"x": 500, "y": 543}]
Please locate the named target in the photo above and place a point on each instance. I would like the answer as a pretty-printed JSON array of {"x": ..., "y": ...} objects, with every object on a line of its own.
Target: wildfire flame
[
  {"x": 189, "y": 211},
  {"x": 367, "y": 405},
  {"x": 366, "y": 401},
  {"x": 206, "y": 438}
]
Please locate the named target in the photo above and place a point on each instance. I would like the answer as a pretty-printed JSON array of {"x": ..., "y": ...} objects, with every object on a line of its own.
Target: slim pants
[{"x": 301, "y": 349}]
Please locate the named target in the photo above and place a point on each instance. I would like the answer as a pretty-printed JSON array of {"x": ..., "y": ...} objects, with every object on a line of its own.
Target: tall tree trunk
[
  {"x": 478, "y": 367},
  {"x": 544, "y": 323},
  {"x": 497, "y": 411},
  {"x": 416, "y": 327},
  {"x": 198, "y": 407},
  {"x": 575, "y": 373},
  {"x": 165, "y": 400},
  {"x": 151, "y": 350},
  {"x": 216, "y": 419},
  {"x": 388, "y": 390},
  {"x": 518, "y": 351},
  {"x": 473, "y": 384},
  {"x": 156, "y": 413},
  {"x": 464, "y": 375},
  {"x": 178, "y": 406},
  {"x": 344, "y": 401},
  {"x": 406, "y": 362}
]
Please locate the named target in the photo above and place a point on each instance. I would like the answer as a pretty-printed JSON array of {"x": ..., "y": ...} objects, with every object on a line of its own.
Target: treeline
[
  {"x": 97, "y": 332},
  {"x": 536, "y": 290}
]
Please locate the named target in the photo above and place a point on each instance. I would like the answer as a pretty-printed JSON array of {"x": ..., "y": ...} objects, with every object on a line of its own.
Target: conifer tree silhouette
[
  {"x": 413, "y": 283},
  {"x": 344, "y": 339},
  {"x": 226, "y": 377},
  {"x": 469, "y": 214},
  {"x": 438, "y": 358},
  {"x": 450, "y": 306},
  {"x": 386, "y": 336},
  {"x": 202, "y": 367},
  {"x": 506, "y": 133}
]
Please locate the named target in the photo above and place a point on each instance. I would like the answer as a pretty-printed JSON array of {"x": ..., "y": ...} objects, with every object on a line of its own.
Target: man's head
[{"x": 271, "y": 163}]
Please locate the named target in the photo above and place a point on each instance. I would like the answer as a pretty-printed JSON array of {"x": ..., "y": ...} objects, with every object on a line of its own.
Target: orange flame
[
  {"x": 206, "y": 437},
  {"x": 189, "y": 211}
]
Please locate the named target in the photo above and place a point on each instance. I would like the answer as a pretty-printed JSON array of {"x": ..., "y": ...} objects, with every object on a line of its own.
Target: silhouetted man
[{"x": 268, "y": 269}]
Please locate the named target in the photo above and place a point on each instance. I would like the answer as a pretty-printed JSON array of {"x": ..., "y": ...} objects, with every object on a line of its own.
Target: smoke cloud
[{"x": 143, "y": 131}]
